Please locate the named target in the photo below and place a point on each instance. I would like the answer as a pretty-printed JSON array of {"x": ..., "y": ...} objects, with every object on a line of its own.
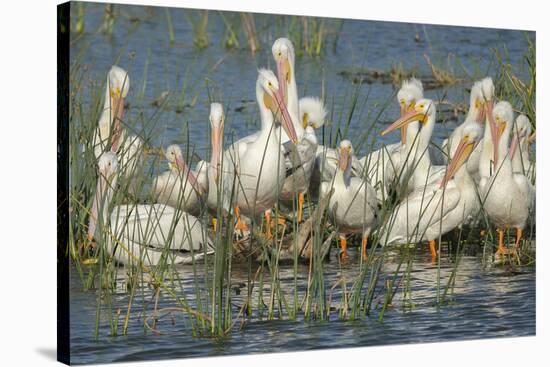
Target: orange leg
[
  {"x": 267, "y": 215},
  {"x": 214, "y": 224},
  {"x": 300, "y": 207},
  {"x": 502, "y": 250},
  {"x": 433, "y": 249},
  {"x": 519, "y": 236},
  {"x": 241, "y": 226},
  {"x": 343, "y": 247},
  {"x": 364, "y": 247}
]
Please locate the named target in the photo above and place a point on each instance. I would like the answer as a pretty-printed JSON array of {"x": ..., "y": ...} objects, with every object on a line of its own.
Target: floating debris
[
  {"x": 392, "y": 76},
  {"x": 161, "y": 99},
  {"x": 244, "y": 104}
]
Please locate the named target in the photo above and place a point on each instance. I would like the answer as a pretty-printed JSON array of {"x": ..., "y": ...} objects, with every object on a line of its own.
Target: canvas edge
[{"x": 63, "y": 275}]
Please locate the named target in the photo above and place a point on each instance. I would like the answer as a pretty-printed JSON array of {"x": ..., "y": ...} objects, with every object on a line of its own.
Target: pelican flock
[{"x": 396, "y": 194}]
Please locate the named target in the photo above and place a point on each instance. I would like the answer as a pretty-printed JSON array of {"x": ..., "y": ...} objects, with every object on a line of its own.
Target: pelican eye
[{"x": 402, "y": 101}]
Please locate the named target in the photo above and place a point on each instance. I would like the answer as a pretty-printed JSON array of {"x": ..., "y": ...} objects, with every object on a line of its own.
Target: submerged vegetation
[{"x": 212, "y": 302}]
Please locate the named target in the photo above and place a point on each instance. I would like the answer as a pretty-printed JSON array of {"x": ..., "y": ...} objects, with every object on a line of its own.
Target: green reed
[
  {"x": 518, "y": 84},
  {"x": 198, "y": 20}
]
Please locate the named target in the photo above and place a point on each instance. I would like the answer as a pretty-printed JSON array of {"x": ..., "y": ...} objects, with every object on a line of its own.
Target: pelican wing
[
  {"x": 157, "y": 226},
  {"x": 526, "y": 188},
  {"x": 300, "y": 157},
  {"x": 356, "y": 207},
  {"x": 420, "y": 216}
]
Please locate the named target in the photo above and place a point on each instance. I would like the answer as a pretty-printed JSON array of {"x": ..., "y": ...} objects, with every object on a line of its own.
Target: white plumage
[
  {"x": 430, "y": 212},
  {"x": 110, "y": 134},
  {"x": 353, "y": 206},
  {"x": 143, "y": 234},
  {"x": 180, "y": 187},
  {"x": 507, "y": 196}
]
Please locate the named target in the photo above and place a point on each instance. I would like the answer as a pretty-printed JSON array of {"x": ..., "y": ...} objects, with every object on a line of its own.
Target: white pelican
[
  {"x": 254, "y": 169},
  {"x": 507, "y": 197},
  {"x": 313, "y": 113},
  {"x": 423, "y": 173},
  {"x": 476, "y": 113},
  {"x": 384, "y": 166},
  {"x": 299, "y": 157},
  {"x": 519, "y": 148},
  {"x": 424, "y": 215},
  {"x": 180, "y": 187},
  {"x": 353, "y": 206},
  {"x": 110, "y": 134},
  {"x": 486, "y": 167},
  {"x": 213, "y": 168},
  {"x": 148, "y": 234},
  {"x": 481, "y": 100}
]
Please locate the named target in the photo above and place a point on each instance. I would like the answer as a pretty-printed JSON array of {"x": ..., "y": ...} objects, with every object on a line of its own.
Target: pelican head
[
  {"x": 268, "y": 93},
  {"x": 344, "y": 155},
  {"x": 108, "y": 169},
  {"x": 217, "y": 118},
  {"x": 471, "y": 135},
  {"x": 283, "y": 53},
  {"x": 523, "y": 126},
  {"x": 503, "y": 116},
  {"x": 520, "y": 132},
  {"x": 411, "y": 91},
  {"x": 421, "y": 111},
  {"x": 119, "y": 81},
  {"x": 178, "y": 165},
  {"x": 118, "y": 84},
  {"x": 487, "y": 88},
  {"x": 488, "y": 92},
  {"x": 174, "y": 157},
  {"x": 477, "y": 103},
  {"x": 312, "y": 111}
]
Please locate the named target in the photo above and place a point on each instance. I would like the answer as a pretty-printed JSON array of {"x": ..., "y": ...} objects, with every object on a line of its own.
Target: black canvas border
[{"x": 63, "y": 275}]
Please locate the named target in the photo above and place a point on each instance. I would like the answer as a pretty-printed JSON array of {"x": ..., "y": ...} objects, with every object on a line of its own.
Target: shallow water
[{"x": 491, "y": 302}]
